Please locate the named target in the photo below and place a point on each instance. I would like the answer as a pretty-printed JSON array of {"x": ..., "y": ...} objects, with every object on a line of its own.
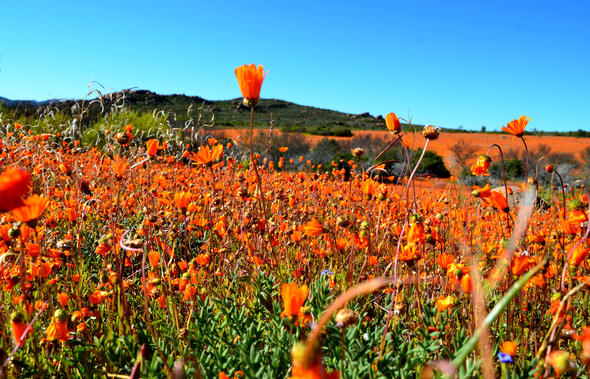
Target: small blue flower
[
  {"x": 504, "y": 358},
  {"x": 326, "y": 272}
]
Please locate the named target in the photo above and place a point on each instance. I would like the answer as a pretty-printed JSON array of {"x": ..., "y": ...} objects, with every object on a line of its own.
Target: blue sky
[{"x": 447, "y": 63}]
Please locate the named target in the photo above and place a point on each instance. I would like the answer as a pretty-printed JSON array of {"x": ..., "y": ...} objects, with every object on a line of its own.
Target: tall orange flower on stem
[
  {"x": 516, "y": 128},
  {"x": 14, "y": 183},
  {"x": 392, "y": 123},
  {"x": 250, "y": 79}
]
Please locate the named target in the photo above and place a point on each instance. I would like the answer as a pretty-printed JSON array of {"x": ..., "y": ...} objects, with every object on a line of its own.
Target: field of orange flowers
[
  {"x": 479, "y": 141},
  {"x": 139, "y": 260}
]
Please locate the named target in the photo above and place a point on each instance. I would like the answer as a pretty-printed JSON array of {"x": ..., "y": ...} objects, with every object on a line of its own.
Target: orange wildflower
[
  {"x": 508, "y": 347},
  {"x": 315, "y": 371},
  {"x": 444, "y": 303},
  {"x": 14, "y": 183},
  {"x": 239, "y": 374},
  {"x": 63, "y": 298},
  {"x": 466, "y": 285},
  {"x": 369, "y": 186},
  {"x": 207, "y": 155},
  {"x": 18, "y": 325},
  {"x": 444, "y": 260},
  {"x": 293, "y": 298},
  {"x": 250, "y": 79},
  {"x": 392, "y": 123},
  {"x": 97, "y": 297},
  {"x": 373, "y": 260},
  {"x": 481, "y": 166},
  {"x": 162, "y": 301},
  {"x": 152, "y": 147},
  {"x": 416, "y": 233},
  {"x": 521, "y": 264},
  {"x": 313, "y": 228},
  {"x": 483, "y": 192},
  {"x": 203, "y": 259},
  {"x": 341, "y": 243},
  {"x": 410, "y": 252},
  {"x": 182, "y": 199},
  {"x": 579, "y": 255},
  {"x": 559, "y": 360},
  {"x": 585, "y": 338},
  {"x": 31, "y": 211},
  {"x": 119, "y": 166},
  {"x": 498, "y": 201},
  {"x": 58, "y": 329},
  {"x": 283, "y": 149},
  {"x": 154, "y": 258},
  {"x": 516, "y": 127}
]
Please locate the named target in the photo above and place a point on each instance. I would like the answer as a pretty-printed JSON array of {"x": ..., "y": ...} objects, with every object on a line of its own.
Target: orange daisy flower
[
  {"x": 516, "y": 127},
  {"x": 182, "y": 199},
  {"x": 31, "y": 211},
  {"x": 508, "y": 347},
  {"x": 14, "y": 183},
  {"x": 207, "y": 156},
  {"x": 293, "y": 298},
  {"x": 313, "y": 228},
  {"x": 119, "y": 166},
  {"x": 63, "y": 298}
]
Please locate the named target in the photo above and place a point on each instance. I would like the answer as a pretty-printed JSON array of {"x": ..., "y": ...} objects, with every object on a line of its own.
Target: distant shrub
[
  {"x": 432, "y": 164},
  {"x": 317, "y": 130},
  {"x": 514, "y": 169}
]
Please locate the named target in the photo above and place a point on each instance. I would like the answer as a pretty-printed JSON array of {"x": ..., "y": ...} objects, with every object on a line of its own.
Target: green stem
[
  {"x": 253, "y": 162},
  {"x": 526, "y": 178}
]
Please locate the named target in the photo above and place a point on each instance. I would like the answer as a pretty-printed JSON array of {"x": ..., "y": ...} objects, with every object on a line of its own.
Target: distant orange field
[{"x": 481, "y": 141}]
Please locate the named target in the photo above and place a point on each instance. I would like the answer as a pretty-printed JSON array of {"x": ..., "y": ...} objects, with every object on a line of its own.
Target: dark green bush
[
  {"x": 432, "y": 164},
  {"x": 514, "y": 169}
]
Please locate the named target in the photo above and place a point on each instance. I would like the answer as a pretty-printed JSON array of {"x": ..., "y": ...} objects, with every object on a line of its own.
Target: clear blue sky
[{"x": 448, "y": 63}]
